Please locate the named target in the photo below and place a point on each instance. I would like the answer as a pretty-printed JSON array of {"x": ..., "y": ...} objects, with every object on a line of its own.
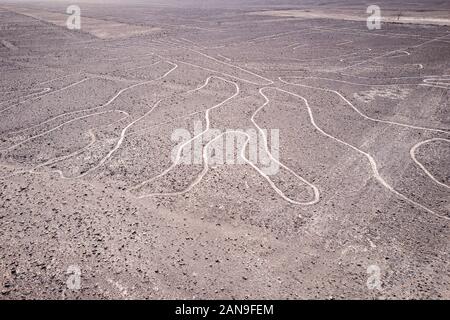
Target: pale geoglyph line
[
  {"x": 190, "y": 42},
  {"x": 393, "y": 51},
  {"x": 119, "y": 142},
  {"x": 361, "y": 113},
  {"x": 292, "y": 45},
  {"x": 433, "y": 86},
  {"x": 372, "y": 162},
  {"x": 146, "y": 128},
  {"x": 75, "y": 112},
  {"x": 48, "y": 92},
  {"x": 86, "y": 116},
  {"x": 140, "y": 67},
  {"x": 404, "y": 52},
  {"x": 299, "y": 46},
  {"x": 412, "y": 152},
  {"x": 59, "y": 159},
  {"x": 354, "y": 83},
  {"x": 327, "y": 58},
  {"x": 385, "y": 34},
  {"x": 313, "y": 187},
  {"x": 437, "y": 82},
  {"x": 59, "y": 78},
  {"x": 255, "y": 40},
  {"x": 205, "y": 162},
  {"x": 276, "y": 35},
  {"x": 224, "y": 63},
  {"x": 56, "y": 128},
  {"x": 428, "y": 82},
  {"x": 77, "y": 152},
  {"x": 43, "y": 90},
  {"x": 202, "y": 86},
  {"x": 272, "y": 184},
  {"x": 219, "y": 72},
  {"x": 180, "y": 149},
  {"x": 93, "y": 140},
  {"x": 389, "y": 35},
  {"x": 199, "y": 178},
  {"x": 176, "y": 118},
  {"x": 51, "y": 161},
  {"x": 223, "y": 57},
  {"x": 233, "y": 66},
  {"x": 62, "y": 115},
  {"x": 396, "y": 78},
  {"x": 343, "y": 43},
  {"x": 413, "y": 127},
  {"x": 87, "y": 109},
  {"x": 123, "y": 133},
  {"x": 227, "y": 64},
  {"x": 196, "y": 181}
]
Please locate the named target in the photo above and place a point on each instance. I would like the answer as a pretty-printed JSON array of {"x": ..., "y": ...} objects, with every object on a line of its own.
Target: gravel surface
[{"x": 93, "y": 205}]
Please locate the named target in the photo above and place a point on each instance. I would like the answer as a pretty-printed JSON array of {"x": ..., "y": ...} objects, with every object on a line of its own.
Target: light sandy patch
[
  {"x": 99, "y": 28},
  {"x": 388, "y": 16}
]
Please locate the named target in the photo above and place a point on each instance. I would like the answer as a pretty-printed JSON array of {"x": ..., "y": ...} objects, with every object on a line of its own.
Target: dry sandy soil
[{"x": 87, "y": 180}]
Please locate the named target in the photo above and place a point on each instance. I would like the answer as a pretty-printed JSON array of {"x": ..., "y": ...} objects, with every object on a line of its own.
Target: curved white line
[
  {"x": 43, "y": 90},
  {"x": 412, "y": 152},
  {"x": 59, "y": 159},
  {"x": 56, "y": 128},
  {"x": 180, "y": 149},
  {"x": 176, "y": 118},
  {"x": 371, "y": 160},
  {"x": 45, "y": 94},
  {"x": 233, "y": 66},
  {"x": 191, "y": 185},
  {"x": 227, "y": 64},
  {"x": 313, "y": 187},
  {"x": 428, "y": 82},
  {"x": 206, "y": 167}
]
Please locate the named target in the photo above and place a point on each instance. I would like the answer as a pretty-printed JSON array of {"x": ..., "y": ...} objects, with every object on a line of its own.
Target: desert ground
[{"x": 360, "y": 205}]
